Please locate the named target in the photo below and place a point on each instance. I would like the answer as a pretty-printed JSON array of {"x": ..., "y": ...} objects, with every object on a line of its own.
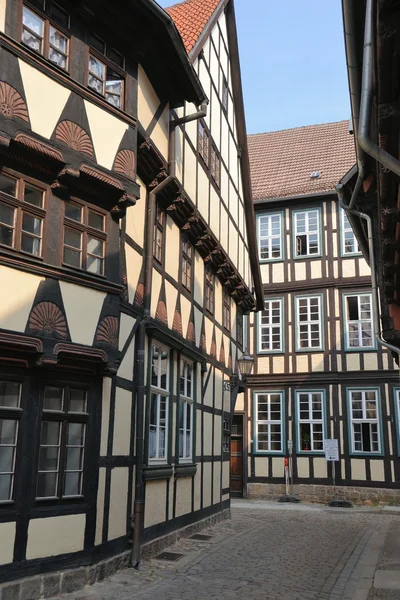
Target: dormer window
[
  {"x": 103, "y": 78},
  {"x": 45, "y": 38}
]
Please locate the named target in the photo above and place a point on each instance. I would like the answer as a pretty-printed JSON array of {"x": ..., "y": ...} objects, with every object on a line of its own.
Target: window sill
[
  {"x": 310, "y": 350},
  {"x": 366, "y": 454},
  {"x": 308, "y": 257},
  {"x": 265, "y": 261},
  {"x": 360, "y": 349},
  {"x": 185, "y": 470},
  {"x": 310, "y": 453},
  {"x": 158, "y": 471}
]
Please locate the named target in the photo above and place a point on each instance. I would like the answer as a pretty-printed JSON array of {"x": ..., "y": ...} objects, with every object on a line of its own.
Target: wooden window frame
[
  {"x": 226, "y": 310},
  {"x": 209, "y": 291},
  {"x": 85, "y": 230},
  {"x": 159, "y": 229},
  {"x": 308, "y": 233},
  {"x": 266, "y": 241},
  {"x": 365, "y": 420},
  {"x": 266, "y": 325},
  {"x": 186, "y": 402},
  {"x": 47, "y": 23},
  {"x": 64, "y": 417},
  {"x": 187, "y": 264},
  {"x": 312, "y": 422},
  {"x": 161, "y": 393},
  {"x": 359, "y": 323},
  {"x": 108, "y": 64},
  {"x": 21, "y": 207},
  {"x": 12, "y": 414},
  {"x": 308, "y": 323},
  {"x": 268, "y": 423}
]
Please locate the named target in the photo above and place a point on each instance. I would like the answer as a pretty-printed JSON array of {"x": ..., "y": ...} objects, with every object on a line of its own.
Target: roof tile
[
  {"x": 191, "y": 18},
  {"x": 281, "y": 162}
]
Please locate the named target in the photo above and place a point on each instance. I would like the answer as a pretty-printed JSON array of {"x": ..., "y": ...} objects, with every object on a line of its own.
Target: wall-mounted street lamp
[{"x": 246, "y": 363}]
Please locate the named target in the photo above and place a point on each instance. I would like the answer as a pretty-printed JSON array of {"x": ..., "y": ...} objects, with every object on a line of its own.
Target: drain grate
[
  {"x": 201, "y": 537},
  {"x": 171, "y": 556}
]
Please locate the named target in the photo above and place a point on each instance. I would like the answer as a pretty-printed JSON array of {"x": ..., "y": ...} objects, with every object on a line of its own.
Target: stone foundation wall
[
  {"x": 50, "y": 585},
  {"x": 323, "y": 494}
]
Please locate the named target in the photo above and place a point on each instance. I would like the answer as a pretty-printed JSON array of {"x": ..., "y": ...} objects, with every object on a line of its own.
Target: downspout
[
  {"x": 138, "y": 510},
  {"x": 375, "y": 295}
]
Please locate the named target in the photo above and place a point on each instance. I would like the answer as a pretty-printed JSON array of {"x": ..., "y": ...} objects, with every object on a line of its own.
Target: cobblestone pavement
[{"x": 305, "y": 553}]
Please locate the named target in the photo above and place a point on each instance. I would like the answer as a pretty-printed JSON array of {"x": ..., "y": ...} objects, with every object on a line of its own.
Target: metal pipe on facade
[
  {"x": 375, "y": 295},
  {"x": 192, "y": 117}
]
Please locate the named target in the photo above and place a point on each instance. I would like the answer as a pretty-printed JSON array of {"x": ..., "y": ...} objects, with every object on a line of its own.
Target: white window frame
[
  {"x": 307, "y": 232},
  {"x": 270, "y": 237},
  {"x": 186, "y": 402},
  {"x": 365, "y": 419},
  {"x": 346, "y": 228},
  {"x": 359, "y": 324},
  {"x": 308, "y": 324},
  {"x": 269, "y": 421},
  {"x": 13, "y": 414},
  {"x": 162, "y": 394},
  {"x": 267, "y": 327},
  {"x": 310, "y": 420}
]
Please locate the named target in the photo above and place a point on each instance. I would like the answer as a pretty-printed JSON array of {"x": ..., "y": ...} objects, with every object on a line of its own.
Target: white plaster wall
[
  {"x": 7, "y": 537},
  {"x": 122, "y": 422},
  {"x": 3, "y": 4},
  {"x": 118, "y": 503},
  {"x": 82, "y": 308},
  {"x": 183, "y": 496},
  {"x": 155, "y": 503},
  {"x": 148, "y": 100},
  {"x": 51, "y": 536},
  {"x": 16, "y": 305}
]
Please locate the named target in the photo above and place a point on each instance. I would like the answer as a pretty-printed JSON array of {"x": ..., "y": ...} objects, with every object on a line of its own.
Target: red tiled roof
[
  {"x": 191, "y": 17},
  {"x": 281, "y": 162}
]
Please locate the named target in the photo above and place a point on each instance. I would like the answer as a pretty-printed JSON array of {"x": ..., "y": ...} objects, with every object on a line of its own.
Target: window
[
  {"x": 43, "y": 37},
  {"x": 187, "y": 264},
  {"x": 215, "y": 165},
  {"x": 10, "y": 414},
  {"x": 209, "y": 291},
  {"x": 269, "y": 421},
  {"x": 186, "y": 411},
  {"x": 239, "y": 328},
  {"x": 62, "y": 442},
  {"x": 84, "y": 237},
  {"x": 104, "y": 78},
  {"x": 309, "y": 328},
  {"x": 349, "y": 240},
  {"x": 203, "y": 142},
  {"x": 270, "y": 237},
  {"x": 21, "y": 214},
  {"x": 270, "y": 326},
  {"x": 159, "y": 403},
  {"x": 307, "y": 236},
  {"x": 359, "y": 329},
  {"x": 310, "y": 421},
  {"x": 224, "y": 93},
  {"x": 158, "y": 234},
  {"x": 226, "y": 310},
  {"x": 365, "y": 434},
  {"x": 226, "y": 436}
]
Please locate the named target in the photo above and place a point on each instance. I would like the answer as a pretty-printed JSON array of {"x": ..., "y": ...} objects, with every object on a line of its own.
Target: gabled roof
[
  {"x": 281, "y": 162},
  {"x": 191, "y": 18}
]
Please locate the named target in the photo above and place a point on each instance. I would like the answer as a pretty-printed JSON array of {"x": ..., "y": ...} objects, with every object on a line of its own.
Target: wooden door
[{"x": 236, "y": 483}]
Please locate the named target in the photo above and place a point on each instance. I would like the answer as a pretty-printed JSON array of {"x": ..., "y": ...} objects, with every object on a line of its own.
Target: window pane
[
  {"x": 72, "y": 257},
  {"x": 58, "y": 40},
  {"x": 31, "y": 244},
  {"x": 32, "y": 41},
  {"x": 116, "y": 57},
  {"x": 31, "y": 224},
  {"x": 58, "y": 59},
  {"x": 50, "y": 435},
  {"x": 6, "y": 215},
  {"x": 97, "y": 43},
  {"x": 76, "y": 434},
  {"x": 6, "y": 459},
  {"x": 74, "y": 459},
  {"x": 7, "y": 185},
  {"x": 8, "y": 432},
  {"x": 33, "y": 196},
  {"x": 10, "y": 394},
  {"x": 72, "y": 238},
  {"x": 33, "y": 21},
  {"x": 96, "y": 221},
  {"x": 77, "y": 401},
  {"x": 97, "y": 68},
  {"x": 53, "y": 398},
  {"x": 46, "y": 485},
  {"x": 73, "y": 211},
  {"x": 5, "y": 487},
  {"x": 95, "y": 84},
  {"x": 95, "y": 246},
  {"x": 73, "y": 484},
  {"x": 59, "y": 14},
  {"x": 48, "y": 458},
  {"x": 95, "y": 265}
]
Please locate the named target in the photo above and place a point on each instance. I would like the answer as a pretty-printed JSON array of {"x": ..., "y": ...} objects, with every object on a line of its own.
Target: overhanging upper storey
[{"x": 372, "y": 40}]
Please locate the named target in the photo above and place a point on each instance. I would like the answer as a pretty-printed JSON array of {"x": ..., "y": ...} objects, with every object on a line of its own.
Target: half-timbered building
[
  {"x": 127, "y": 264},
  {"x": 319, "y": 372}
]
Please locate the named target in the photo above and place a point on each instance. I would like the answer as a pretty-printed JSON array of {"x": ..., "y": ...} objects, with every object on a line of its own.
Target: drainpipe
[
  {"x": 138, "y": 510},
  {"x": 375, "y": 296}
]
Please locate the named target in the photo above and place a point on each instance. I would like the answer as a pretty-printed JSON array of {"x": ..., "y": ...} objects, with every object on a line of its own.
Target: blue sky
[{"x": 293, "y": 63}]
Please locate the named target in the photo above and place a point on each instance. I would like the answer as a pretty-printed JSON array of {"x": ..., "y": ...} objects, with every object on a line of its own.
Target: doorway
[{"x": 236, "y": 479}]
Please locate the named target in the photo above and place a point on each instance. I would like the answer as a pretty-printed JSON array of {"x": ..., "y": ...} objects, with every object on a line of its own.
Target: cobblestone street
[{"x": 270, "y": 552}]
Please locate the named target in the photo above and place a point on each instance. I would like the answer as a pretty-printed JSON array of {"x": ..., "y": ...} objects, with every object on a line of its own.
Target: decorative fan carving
[
  {"x": 11, "y": 103},
  {"x": 75, "y": 137},
  {"x": 107, "y": 331},
  {"x": 125, "y": 163},
  {"x": 190, "y": 333},
  {"x": 177, "y": 323},
  {"x": 161, "y": 313},
  {"x": 47, "y": 318}
]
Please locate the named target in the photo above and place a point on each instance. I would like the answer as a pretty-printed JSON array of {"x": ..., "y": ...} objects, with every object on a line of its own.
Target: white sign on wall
[{"x": 331, "y": 449}]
